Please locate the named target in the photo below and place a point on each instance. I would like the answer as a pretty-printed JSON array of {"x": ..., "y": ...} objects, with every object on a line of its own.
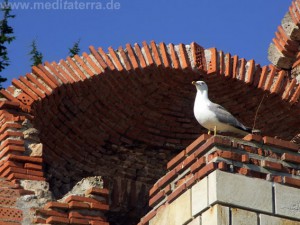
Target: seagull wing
[{"x": 226, "y": 117}]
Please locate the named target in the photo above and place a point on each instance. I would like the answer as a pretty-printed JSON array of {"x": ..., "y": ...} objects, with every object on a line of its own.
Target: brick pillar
[{"x": 229, "y": 181}]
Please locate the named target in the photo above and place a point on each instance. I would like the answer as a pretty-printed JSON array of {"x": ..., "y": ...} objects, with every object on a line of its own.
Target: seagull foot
[{"x": 215, "y": 130}]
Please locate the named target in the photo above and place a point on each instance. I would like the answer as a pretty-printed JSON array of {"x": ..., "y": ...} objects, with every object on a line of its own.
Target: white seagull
[{"x": 213, "y": 116}]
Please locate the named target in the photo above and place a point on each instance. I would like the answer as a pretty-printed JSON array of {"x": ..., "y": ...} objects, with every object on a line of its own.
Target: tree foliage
[
  {"x": 6, "y": 37},
  {"x": 36, "y": 55},
  {"x": 75, "y": 49}
]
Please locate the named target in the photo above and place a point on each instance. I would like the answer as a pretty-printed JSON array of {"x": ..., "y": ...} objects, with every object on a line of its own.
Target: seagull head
[{"x": 200, "y": 85}]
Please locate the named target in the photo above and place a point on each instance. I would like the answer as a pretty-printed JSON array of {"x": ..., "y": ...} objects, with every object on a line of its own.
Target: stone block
[
  {"x": 243, "y": 217},
  {"x": 177, "y": 213},
  {"x": 290, "y": 28},
  {"x": 272, "y": 220},
  {"x": 199, "y": 197},
  {"x": 216, "y": 215},
  {"x": 238, "y": 190},
  {"x": 287, "y": 201},
  {"x": 196, "y": 221},
  {"x": 278, "y": 59}
]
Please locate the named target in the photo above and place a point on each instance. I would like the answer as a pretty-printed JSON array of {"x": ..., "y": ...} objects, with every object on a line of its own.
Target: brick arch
[{"x": 123, "y": 114}]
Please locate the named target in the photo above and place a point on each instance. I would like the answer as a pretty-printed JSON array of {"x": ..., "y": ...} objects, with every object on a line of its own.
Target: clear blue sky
[{"x": 242, "y": 27}]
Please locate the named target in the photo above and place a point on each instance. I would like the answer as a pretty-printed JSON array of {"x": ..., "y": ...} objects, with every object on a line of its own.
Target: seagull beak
[{"x": 193, "y": 82}]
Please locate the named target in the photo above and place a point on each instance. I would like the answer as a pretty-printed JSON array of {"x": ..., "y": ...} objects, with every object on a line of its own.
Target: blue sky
[{"x": 241, "y": 27}]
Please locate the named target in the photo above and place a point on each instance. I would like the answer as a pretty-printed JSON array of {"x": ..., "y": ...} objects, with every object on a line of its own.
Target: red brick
[
  {"x": 235, "y": 66},
  {"x": 148, "y": 216},
  {"x": 242, "y": 69},
  {"x": 83, "y": 65},
  {"x": 153, "y": 190},
  {"x": 291, "y": 181},
  {"x": 174, "y": 57},
  {"x": 79, "y": 221},
  {"x": 228, "y": 66},
  {"x": 157, "y": 198},
  {"x": 71, "y": 73},
  {"x": 212, "y": 66},
  {"x": 170, "y": 176},
  {"x": 99, "y": 206},
  {"x": 98, "y": 57},
  {"x": 164, "y": 54},
  {"x": 80, "y": 199},
  {"x": 250, "y": 73},
  {"x": 271, "y": 165},
  {"x": 115, "y": 58},
  {"x": 148, "y": 54},
  {"x": 59, "y": 220},
  {"x": 205, "y": 171},
  {"x": 176, "y": 160},
  {"x": 37, "y": 220},
  {"x": 98, "y": 191},
  {"x": 198, "y": 164},
  {"x": 25, "y": 158},
  {"x": 197, "y": 143},
  {"x": 32, "y": 166},
  {"x": 126, "y": 61},
  {"x": 54, "y": 70},
  {"x": 222, "y": 166},
  {"x": 140, "y": 56},
  {"x": 155, "y": 54},
  {"x": 98, "y": 223},
  {"x": 253, "y": 137},
  {"x": 51, "y": 205},
  {"x": 221, "y": 63},
  {"x": 76, "y": 68},
  {"x": 41, "y": 86},
  {"x": 263, "y": 77},
  {"x": 279, "y": 80},
  {"x": 78, "y": 205},
  {"x": 280, "y": 143},
  {"x": 81, "y": 215},
  {"x": 296, "y": 95},
  {"x": 290, "y": 158},
  {"x": 176, "y": 193},
  {"x": 51, "y": 213},
  {"x": 22, "y": 176},
  {"x": 38, "y": 72},
  {"x": 245, "y": 158},
  {"x": 289, "y": 88}
]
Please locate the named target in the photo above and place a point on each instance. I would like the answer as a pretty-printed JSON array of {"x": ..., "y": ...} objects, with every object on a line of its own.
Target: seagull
[{"x": 213, "y": 116}]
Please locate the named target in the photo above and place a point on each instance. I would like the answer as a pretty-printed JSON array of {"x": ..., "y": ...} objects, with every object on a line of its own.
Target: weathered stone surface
[
  {"x": 278, "y": 59},
  {"x": 216, "y": 215},
  {"x": 41, "y": 196},
  {"x": 243, "y": 217},
  {"x": 31, "y": 134},
  {"x": 35, "y": 149},
  {"x": 240, "y": 190},
  {"x": 290, "y": 28},
  {"x": 272, "y": 220},
  {"x": 195, "y": 221},
  {"x": 287, "y": 201},
  {"x": 177, "y": 213},
  {"x": 199, "y": 197},
  {"x": 85, "y": 184}
]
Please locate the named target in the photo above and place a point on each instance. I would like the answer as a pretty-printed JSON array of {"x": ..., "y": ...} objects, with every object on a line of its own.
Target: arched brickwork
[{"x": 125, "y": 113}]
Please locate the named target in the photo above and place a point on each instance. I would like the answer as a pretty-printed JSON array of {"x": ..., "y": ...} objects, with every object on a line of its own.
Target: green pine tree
[
  {"x": 75, "y": 49},
  {"x": 36, "y": 56},
  {"x": 6, "y": 37}
]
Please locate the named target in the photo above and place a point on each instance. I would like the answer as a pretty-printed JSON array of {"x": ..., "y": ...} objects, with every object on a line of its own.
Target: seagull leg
[
  {"x": 208, "y": 132},
  {"x": 215, "y": 130}
]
